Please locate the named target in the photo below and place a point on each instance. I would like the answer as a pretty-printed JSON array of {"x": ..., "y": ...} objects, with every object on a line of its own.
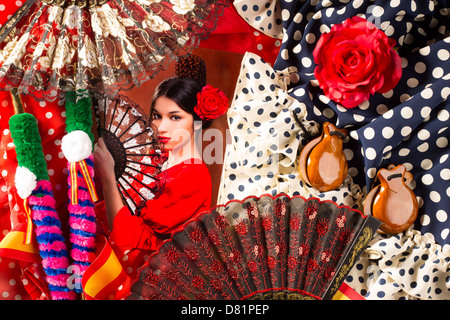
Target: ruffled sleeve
[{"x": 187, "y": 192}]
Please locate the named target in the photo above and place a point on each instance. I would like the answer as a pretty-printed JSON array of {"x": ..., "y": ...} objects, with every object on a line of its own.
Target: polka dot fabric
[
  {"x": 406, "y": 125},
  {"x": 262, "y": 157},
  {"x": 412, "y": 266}
]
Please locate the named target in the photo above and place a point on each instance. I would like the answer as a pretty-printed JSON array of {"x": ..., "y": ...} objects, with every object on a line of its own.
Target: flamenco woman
[{"x": 179, "y": 110}]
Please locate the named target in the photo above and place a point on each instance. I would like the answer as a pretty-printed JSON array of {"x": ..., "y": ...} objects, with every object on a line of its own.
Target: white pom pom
[
  {"x": 76, "y": 146},
  {"x": 25, "y": 182}
]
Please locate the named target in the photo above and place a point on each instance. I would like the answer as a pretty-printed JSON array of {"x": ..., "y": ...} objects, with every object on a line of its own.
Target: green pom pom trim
[
  {"x": 79, "y": 112},
  {"x": 25, "y": 134}
]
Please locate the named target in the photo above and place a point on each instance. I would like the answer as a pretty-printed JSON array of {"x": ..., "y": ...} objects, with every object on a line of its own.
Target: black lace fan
[
  {"x": 259, "y": 248},
  {"x": 127, "y": 133}
]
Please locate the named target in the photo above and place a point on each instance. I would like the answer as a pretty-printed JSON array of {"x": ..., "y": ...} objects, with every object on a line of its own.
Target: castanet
[
  {"x": 392, "y": 202},
  {"x": 322, "y": 161}
]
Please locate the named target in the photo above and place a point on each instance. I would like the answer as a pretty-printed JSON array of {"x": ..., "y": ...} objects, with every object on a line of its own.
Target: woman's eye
[
  {"x": 176, "y": 118},
  {"x": 156, "y": 116}
]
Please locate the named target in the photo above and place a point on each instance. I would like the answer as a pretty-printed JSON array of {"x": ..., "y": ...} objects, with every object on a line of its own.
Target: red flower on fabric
[
  {"x": 294, "y": 223},
  {"x": 267, "y": 224},
  {"x": 211, "y": 103},
  {"x": 291, "y": 262},
  {"x": 322, "y": 227},
  {"x": 271, "y": 262},
  {"x": 171, "y": 254},
  {"x": 221, "y": 221},
  {"x": 251, "y": 265},
  {"x": 198, "y": 282},
  {"x": 311, "y": 265},
  {"x": 216, "y": 267},
  {"x": 151, "y": 279},
  {"x": 354, "y": 60},
  {"x": 241, "y": 228},
  {"x": 192, "y": 254},
  {"x": 195, "y": 235}
]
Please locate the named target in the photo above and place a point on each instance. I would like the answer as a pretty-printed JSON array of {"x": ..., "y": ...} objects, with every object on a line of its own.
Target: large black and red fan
[
  {"x": 138, "y": 155},
  {"x": 259, "y": 248}
]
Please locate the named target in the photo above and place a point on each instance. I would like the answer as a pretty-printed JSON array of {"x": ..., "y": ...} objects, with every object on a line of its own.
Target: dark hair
[{"x": 183, "y": 91}]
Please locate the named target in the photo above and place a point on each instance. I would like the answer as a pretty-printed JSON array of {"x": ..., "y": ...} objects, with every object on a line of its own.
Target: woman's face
[{"x": 175, "y": 126}]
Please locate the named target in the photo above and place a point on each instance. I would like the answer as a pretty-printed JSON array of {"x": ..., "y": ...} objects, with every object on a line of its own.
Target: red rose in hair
[
  {"x": 355, "y": 60},
  {"x": 211, "y": 103}
]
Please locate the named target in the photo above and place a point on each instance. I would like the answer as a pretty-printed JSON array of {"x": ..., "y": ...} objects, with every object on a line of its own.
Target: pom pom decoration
[
  {"x": 77, "y": 148},
  {"x": 52, "y": 247},
  {"x": 25, "y": 182}
]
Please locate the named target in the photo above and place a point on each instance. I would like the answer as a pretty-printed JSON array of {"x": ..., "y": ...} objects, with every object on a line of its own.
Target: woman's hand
[
  {"x": 104, "y": 163},
  {"x": 104, "y": 167}
]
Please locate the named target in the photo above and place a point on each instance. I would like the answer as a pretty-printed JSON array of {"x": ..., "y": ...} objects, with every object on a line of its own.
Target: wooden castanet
[
  {"x": 392, "y": 202},
  {"x": 322, "y": 161}
]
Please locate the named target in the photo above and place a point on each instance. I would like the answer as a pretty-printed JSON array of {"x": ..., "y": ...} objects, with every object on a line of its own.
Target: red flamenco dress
[{"x": 134, "y": 238}]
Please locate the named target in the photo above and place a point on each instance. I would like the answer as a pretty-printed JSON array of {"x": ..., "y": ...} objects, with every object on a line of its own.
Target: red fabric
[
  {"x": 234, "y": 34},
  {"x": 187, "y": 193}
]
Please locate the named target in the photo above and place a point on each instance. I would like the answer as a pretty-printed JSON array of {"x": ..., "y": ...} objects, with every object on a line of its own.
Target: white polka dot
[
  {"x": 358, "y": 117},
  {"x": 388, "y": 114},
  {"x": 443, "y": 115},
  {"x": 423, "y": 134},
  {"x": 259, "y": 46},
  {"x": 445, "y": 174},
  {"x": 48, "y": 157},
  {"x": 371, "y": 173},
  {"x": 4, "y": 173},
  {"x": 310, "y": 38},
  {"x": 285, "y": 54},
  {"x": 382, "y": 108},
  {"x": 442, "y": 142},
  {"x": 2, "y": 7},
  {"x": 357, "y": 3},
  {"x": 426, "y": 164},
  {"x": 425, "y": 112},
  {"x": 403, "y": 152},
  {"x": 306, "y": 62},
  {"x": 427, "y": 179},
  {"x": 369, "y": 133},
  {"x": 387, "y": 132},
  {"x": 443, "y": 158},
  {"x": 427, "y": 93},
  {"x": 420, "y": 67},
  {"x": 370, "y": 153},
  {"x": 50, "y": 131},
  {"x": 412, "y": 82},
  {"x": 394, "y": 3},
  {"x": 297, "y": 48},
  {"x": 5, "y": 294},
  {"x": 48, "y": 115},
  {"x": 441, "y": 215},
  {"x": 377, "y": 11},
  {"x": 406, "y": 112},
  {"x": 443, "y": 54},
  {"x": 348, "y": 154},
  {"x": 405, "y": 131},
  {"x": 425, "y": 220},
  {"x": 445, "y": 92},
  {"x": 444, "y": 233},
  {"x": 435, "y": 196},
  {"x": 423, "y": 147},
  {"x": 298, "y": 17},
  {"x": 438, "y": 72}
]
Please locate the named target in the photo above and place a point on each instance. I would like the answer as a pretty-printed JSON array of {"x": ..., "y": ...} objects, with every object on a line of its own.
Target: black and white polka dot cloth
[{"x": 407, "y": 125}]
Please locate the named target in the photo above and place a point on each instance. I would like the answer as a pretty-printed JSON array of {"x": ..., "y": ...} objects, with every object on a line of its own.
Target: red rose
[
  {"x": 355, "y": 60},
  {"x": 211, "y": 103}
]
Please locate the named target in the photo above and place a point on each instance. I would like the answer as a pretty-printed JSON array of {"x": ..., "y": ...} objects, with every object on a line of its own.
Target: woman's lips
[{"x": 163, "y": 139}]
